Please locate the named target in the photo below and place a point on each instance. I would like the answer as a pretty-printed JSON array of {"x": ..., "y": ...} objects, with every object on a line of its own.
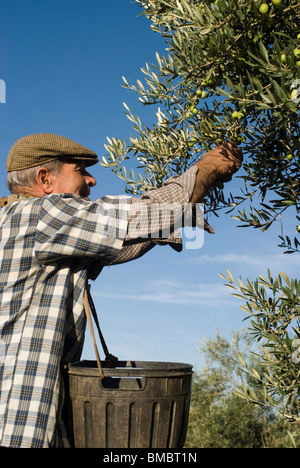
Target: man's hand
[
  {"x": 219, "y": 164},
  {"x": 224, "y": 161}
]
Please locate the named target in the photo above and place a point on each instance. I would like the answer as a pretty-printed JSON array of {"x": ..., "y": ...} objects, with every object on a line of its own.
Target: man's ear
[{"x": 44, "y": 180}]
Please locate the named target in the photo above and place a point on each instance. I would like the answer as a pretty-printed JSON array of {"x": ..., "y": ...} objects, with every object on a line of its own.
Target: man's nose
[{"x": 90, "y": 180}]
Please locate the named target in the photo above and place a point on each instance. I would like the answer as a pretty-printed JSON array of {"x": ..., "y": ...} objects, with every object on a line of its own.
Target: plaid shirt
[{"x": 50, "y": 247}]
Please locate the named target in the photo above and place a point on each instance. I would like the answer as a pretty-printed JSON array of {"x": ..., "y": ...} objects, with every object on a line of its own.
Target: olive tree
[
  {"x": 230, "y": 72},
  {"x": 273, "y": 306},
  {"x": 219, "y": 418}
]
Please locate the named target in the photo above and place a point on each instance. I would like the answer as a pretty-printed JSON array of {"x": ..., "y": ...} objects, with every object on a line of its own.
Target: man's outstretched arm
[{"x": 218, "y": 164}]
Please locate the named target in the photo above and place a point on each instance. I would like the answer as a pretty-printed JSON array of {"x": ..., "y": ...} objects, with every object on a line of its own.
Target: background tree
[
  {"x": 231, "y": 72},
  {"x": 218, "y": 417},
  {"x": 273, "y": 304}
]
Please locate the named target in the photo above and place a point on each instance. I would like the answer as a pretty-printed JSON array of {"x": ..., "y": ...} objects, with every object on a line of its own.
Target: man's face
[{"x": 73, "y": 178}]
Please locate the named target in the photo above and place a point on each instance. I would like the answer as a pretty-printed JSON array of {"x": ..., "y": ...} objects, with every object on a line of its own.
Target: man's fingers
[
  {"x": 236, "y": 151},
  {"x": 231, "y": 150},
  {"x": 225, "y": 160}
]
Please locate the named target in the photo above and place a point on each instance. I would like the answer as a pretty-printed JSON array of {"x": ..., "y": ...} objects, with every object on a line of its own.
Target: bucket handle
[
  {"x": 123, "y": 383},
  {"x": 89, "y": 307}
]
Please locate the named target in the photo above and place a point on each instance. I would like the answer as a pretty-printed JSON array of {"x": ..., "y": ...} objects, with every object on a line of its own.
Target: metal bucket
[{"x": 137, "y": 404}]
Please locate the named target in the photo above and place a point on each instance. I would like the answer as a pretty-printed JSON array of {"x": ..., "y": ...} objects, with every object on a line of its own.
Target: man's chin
[{"x": 85, "y": 196}]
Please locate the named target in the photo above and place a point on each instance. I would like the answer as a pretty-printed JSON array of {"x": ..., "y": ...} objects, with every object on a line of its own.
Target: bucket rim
[{"x": 128, "y": 368}]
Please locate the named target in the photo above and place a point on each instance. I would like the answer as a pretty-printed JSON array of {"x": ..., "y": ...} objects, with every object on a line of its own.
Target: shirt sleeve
[
  {"x": 69, "y": 226},
  {"x": 176, "y": 189},
  {"x": 157, "y": 213}
]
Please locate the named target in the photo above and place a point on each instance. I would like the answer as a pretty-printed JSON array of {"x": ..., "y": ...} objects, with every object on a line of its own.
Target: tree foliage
[
  {"x": 229, "y": 73},
  {"x": 218, "y": 417},
  {"x": 273, "y": 306}
]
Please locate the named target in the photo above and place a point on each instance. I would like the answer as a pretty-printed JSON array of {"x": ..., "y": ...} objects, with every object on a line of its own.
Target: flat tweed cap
[{"x": 35, "y": 150}]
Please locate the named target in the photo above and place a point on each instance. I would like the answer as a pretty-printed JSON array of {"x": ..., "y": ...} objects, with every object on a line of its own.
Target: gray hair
[{"x": 26, "y": 177}]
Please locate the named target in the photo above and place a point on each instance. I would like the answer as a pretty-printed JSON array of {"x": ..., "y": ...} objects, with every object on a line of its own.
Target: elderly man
[{"x": 53, "y": 240}]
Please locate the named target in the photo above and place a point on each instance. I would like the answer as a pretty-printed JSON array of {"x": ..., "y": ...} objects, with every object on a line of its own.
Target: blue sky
[{"x": 62, "y": 62}]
